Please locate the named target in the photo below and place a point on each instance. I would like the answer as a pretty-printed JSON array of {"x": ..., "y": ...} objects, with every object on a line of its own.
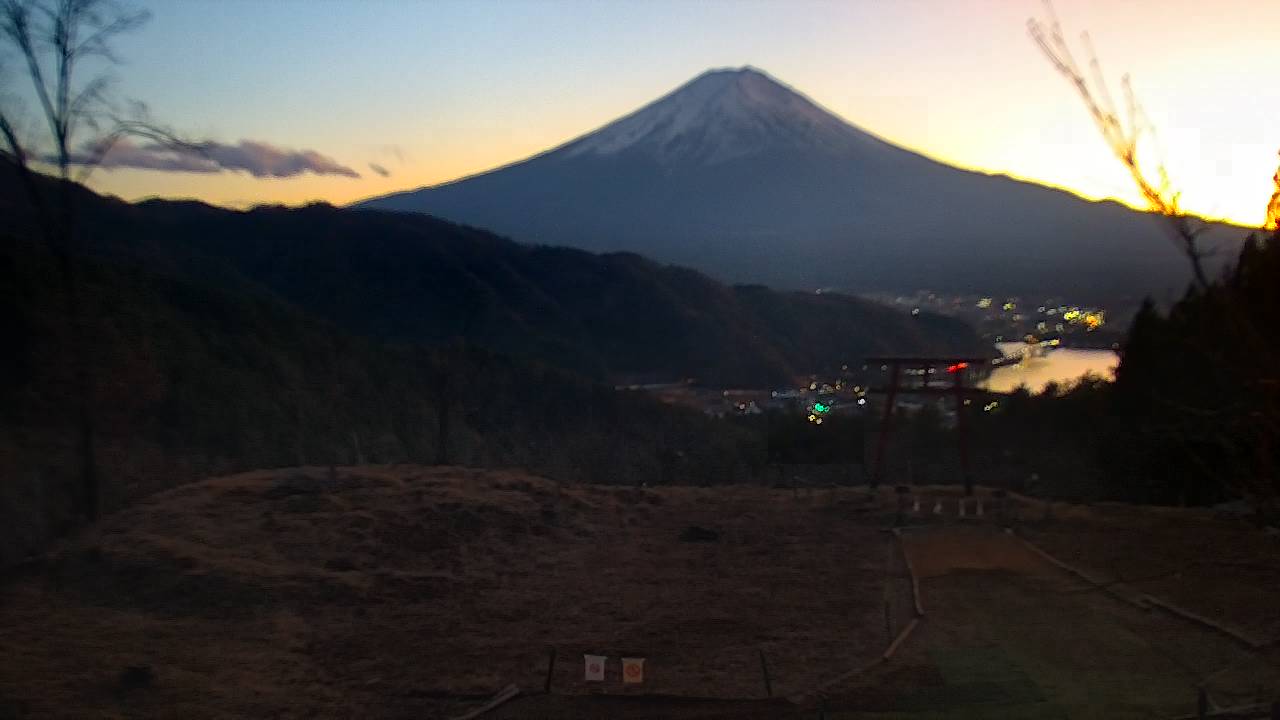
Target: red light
[{"x": 957, "y": 367}]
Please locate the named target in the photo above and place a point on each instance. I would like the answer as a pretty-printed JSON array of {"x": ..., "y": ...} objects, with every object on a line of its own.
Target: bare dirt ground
[
  {"x": 414, "y": 592},
  {"x": 1210, "y": 563},
  {"x": 1009, "y": 635}
]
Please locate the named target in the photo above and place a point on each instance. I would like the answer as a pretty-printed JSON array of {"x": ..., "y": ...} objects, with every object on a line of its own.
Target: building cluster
[
  {"x": 1007, "y": 319},
  {"x": 815, "y": 395}
]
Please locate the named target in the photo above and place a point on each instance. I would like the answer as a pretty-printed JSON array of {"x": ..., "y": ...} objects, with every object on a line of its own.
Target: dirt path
[{"x": 1008, "y": 635}]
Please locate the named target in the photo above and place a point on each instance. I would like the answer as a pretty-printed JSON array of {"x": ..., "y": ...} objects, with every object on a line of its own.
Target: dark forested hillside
[
  {"x": 192, "y": 381},
  {"x": 1202, "y": 385},
  {"x": 407, "y": 277},
  {"x": 1190, "y": 418},
  {"x": 221, "y": 340}
]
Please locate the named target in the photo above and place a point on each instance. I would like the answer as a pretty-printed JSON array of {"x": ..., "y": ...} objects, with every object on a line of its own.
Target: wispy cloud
[
  {"x": 259, "y": 159},
  {"x": 392, "y": 150},
  {"x": 379, "y": 169}
]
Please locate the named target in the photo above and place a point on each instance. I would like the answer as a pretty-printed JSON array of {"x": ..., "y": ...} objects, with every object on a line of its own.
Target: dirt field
[
  {"x": 1211, "y": 564},
  {"x": 417, "y": 592},
  {"x": 420, "y": 592},
  {"x": 1009, "y": 635}
]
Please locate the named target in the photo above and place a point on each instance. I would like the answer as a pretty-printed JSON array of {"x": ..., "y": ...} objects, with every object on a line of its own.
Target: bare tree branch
[
  {"x": 15, "y": 24},
  {"x": 48, "y": 34},
  {"x": 1232, "y": 345},
  {"x": 123, "y": 128},
  {"x": 36, "y": 26},
  {"x": 1122, "y": 134}
]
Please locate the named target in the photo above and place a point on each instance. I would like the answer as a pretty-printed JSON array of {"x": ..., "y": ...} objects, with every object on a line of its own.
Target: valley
[{"x": 543, "y": 361}]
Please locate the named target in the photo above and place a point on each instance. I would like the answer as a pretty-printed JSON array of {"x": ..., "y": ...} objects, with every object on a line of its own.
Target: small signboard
[
  {"x": 594, "y": 667},
  {"x": 632, "y": 670}
]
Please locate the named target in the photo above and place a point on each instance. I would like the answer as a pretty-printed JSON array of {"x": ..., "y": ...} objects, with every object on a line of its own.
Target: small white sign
[{"x": 594, "y": 667}]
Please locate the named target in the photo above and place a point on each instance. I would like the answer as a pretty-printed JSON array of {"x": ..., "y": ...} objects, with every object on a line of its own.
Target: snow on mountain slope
[{"x": 720, "y": 115}]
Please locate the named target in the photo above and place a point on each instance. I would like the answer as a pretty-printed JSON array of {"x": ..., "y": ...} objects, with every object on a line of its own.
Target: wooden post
[
  {"x": 551, "y": 666},
  {"x": 764, "y": 670},
  {"x": 1202, "y": 704},
  {"x": 886, "y": 418},
  {"x": 888, "y": 622},
  {"x": 962, "y": 435}
]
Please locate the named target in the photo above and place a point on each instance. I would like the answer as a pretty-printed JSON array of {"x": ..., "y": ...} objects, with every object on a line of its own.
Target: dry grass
[
  {"x": 418, "y": 592},
  {"x": 408, "y": 592},
  {"x": 1212, "y": 564}
]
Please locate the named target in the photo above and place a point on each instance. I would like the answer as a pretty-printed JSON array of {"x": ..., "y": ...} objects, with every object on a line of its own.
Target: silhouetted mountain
[
  {"x": 741, "y": 177},
  {"x": 405, "y": 277}
]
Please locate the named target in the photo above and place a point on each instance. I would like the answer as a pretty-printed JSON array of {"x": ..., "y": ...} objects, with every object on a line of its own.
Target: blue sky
[{"x": 435, "y": 90}]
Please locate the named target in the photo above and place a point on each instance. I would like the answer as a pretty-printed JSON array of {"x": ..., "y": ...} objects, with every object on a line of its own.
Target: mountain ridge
[
  {"x": 409, "y": 278},
  {"x": 737, "y": 196}
]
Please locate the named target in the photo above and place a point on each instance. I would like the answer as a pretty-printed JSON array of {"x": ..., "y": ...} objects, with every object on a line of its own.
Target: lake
[{"x": 1063, "y": 365}]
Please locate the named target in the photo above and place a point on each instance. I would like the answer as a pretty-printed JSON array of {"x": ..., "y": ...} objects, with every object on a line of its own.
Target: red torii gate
[{"x": 955, "y": 367}]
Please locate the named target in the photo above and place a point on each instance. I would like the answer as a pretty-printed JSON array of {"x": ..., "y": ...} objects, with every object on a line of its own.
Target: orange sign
[{"x": 632, "y": 670}]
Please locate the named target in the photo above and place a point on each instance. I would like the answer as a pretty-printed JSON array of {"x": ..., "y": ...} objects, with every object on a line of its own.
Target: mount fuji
[{"x": 738, "y": 175}]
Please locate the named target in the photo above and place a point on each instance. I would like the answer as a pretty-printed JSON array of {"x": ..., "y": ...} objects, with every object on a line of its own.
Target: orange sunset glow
[{"x": 959, "y": 81}]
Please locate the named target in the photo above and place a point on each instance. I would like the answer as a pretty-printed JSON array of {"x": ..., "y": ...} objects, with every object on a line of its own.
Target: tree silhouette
[
  {"x": 52, "y": 40},
  {"x": 1201, "y": 383},
  {"x": 1123, "y": 135}
]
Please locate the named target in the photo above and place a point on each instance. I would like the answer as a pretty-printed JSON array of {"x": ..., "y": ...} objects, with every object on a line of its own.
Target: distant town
[
  {"x": 1041, "y": 325},
  {"x": 1017, "y": 319},
  {"x": 855, "y": 390}
]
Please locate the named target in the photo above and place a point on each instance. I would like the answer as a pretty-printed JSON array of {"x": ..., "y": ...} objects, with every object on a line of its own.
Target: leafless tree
[
  {"x": 1123, "y": 134},
  {"x": 50, "y": 42}
]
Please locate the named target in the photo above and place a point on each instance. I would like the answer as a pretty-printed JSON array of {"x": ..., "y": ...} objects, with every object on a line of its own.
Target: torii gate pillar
[{"x": 955, "y": 367}]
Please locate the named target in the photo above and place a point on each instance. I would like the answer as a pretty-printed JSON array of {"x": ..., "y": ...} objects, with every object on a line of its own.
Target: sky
[{"x": 389, "y": 95}]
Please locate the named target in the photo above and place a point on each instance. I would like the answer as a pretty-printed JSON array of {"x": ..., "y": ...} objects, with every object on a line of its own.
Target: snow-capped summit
[
  {"x": 736, "y": 174},
  {"x": 720, "y": 115}
]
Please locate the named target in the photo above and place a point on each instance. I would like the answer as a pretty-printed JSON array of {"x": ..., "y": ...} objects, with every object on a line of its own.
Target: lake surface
[{"x": 1060, "y": 366}]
